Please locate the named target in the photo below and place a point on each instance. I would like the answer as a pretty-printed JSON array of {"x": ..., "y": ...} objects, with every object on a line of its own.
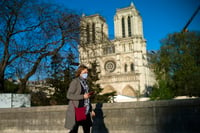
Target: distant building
[
  {"x": 41, "y": 85},
  {"x": 122, "y": 61}
]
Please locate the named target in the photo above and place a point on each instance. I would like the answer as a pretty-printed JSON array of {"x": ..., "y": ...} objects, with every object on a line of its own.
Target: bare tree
[
  {"x": 30, "y": 32},
  {"x": 13, "y": 20}
]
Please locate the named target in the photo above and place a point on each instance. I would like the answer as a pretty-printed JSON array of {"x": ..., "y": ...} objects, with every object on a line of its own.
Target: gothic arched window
[
  {"x": 125, "y": 67},
  {"x": 93, "y": 33},
  {"x": 88, "y": 33},
  {"x": 129, "y": 26},
  {"x": 123, "y": 27},
  {"x": 132, "y": 67},
  {"x": 109, "y": 50}
]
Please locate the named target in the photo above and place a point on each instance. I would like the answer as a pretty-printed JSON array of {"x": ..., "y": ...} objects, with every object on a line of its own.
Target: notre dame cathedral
[{"x": 122, "y": 61}]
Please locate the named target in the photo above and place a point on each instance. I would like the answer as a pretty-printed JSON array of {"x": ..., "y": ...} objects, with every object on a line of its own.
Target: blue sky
[{"x": 160, "y": 17}]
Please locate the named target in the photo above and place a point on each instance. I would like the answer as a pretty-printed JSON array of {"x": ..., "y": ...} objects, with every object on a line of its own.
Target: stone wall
[{"x": 173, "y": 116}]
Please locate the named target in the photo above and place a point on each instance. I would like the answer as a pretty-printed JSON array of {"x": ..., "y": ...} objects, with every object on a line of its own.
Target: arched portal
[
  {"x": 108, "y": 89},
  {"x": 128, "y": 91}
]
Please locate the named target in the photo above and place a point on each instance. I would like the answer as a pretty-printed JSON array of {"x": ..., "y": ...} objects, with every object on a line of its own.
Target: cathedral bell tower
[
  {"x": 94, "y": 32},
  {"x": 93, "y": 29},
  {"x": 128, "y": 22}
]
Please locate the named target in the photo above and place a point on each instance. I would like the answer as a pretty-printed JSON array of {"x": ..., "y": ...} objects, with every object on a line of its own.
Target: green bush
[{"x": 161, "y": 91}]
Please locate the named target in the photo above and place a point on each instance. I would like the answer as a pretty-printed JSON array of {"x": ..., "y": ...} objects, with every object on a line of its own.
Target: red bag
[{"x": 80, "y": 113}]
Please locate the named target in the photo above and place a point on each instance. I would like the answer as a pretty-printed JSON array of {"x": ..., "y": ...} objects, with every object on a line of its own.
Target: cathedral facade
[{"x": 122, "y": 62}]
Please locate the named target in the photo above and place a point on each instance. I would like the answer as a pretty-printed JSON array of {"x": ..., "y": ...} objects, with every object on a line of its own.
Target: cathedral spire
[{"x": 132, "y": 4}]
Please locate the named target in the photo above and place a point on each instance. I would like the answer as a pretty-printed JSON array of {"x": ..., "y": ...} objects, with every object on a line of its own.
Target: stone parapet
[{"x": 167, "y": 116}]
